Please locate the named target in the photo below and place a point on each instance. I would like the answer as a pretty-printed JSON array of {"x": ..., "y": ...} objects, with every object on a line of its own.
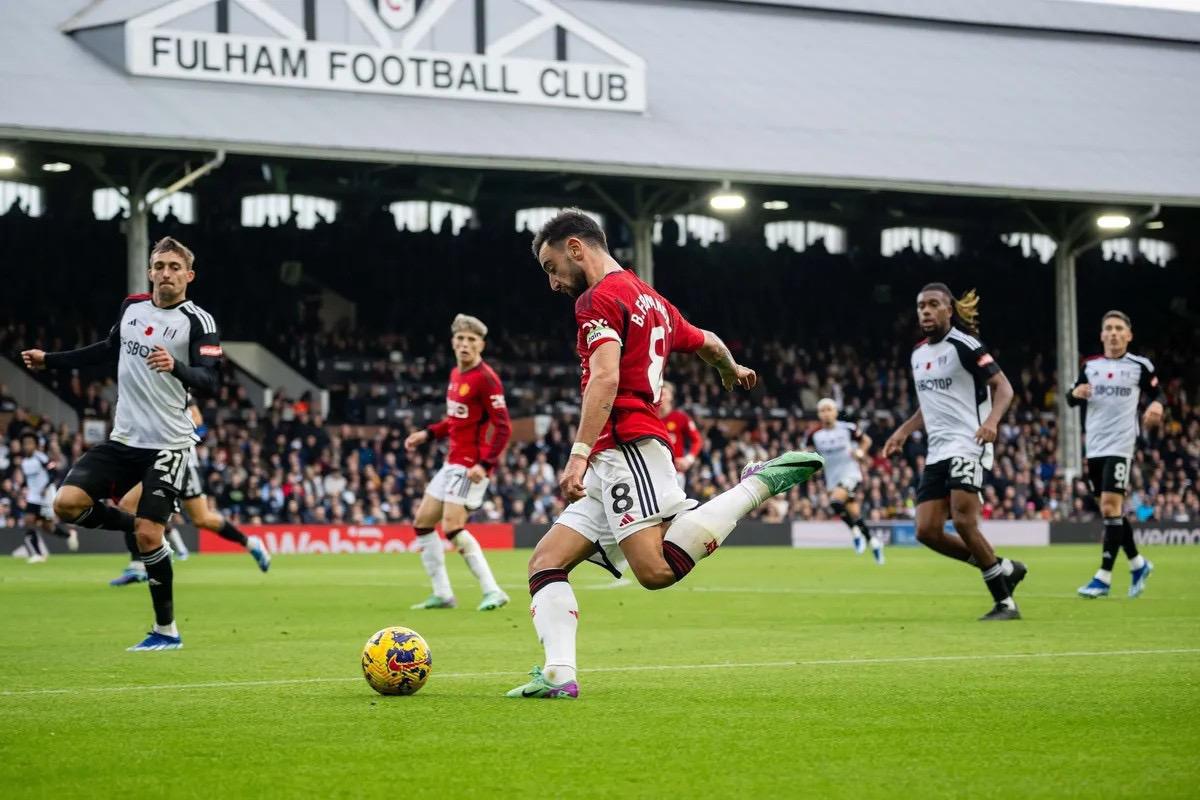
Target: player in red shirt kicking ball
[
  {"x": 474, "y": 402},
  {"x": 620, "y": 478}
]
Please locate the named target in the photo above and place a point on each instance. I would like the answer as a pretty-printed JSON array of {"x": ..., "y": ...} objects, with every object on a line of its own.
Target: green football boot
[
  {"x": 790, "y": 469},
  {"x": 433, "y": 601},
  {"x": 493, "y": 600}
]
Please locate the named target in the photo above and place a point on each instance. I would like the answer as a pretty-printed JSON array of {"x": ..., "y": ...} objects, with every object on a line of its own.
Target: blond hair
[
  {"x": 965, "y": 309},
  {"x": 826, "y": 401},
  {"x": 465, "y": 323}
]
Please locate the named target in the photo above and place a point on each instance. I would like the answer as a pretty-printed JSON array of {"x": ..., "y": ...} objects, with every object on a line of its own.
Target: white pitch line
[{"x": 825, "y": 662}]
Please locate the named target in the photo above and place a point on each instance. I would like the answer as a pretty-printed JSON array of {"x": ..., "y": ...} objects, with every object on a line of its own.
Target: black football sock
[
  {"x": 1113, "y": 534},
  {"x": 862, "y": 528},
  {"x": 677, "y": 559},
  {"x": 997, "y": 584},
  {"x": 131, "y": 546},
  {"x": 161, "y": 578},
  {"x": 1127, "y": 542},
  {"x": 32, "y": 543},
  {"x": 61, "y": 531},
  {"x": 105, "y": 517},
  {"x": 228, "y": 531}
]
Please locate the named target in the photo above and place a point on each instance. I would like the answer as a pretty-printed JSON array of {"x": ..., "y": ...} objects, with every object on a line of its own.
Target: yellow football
[{"x": 396, "y": 661}]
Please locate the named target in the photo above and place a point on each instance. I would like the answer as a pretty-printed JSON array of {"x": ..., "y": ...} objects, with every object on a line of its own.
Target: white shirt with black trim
[
  {"x": 951, "y": 377},
  {"x": 1110, "y": 416},
  {"x": 37, "y": 477},
  {"x": 837, "y": 445}
]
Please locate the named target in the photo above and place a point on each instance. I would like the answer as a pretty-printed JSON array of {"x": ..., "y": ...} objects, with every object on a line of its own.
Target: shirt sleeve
[
  {"x": 977, "y": 360},
  {"x": 600, "y": 320},
  {"x": 688, "y": 338},
  {"x": 496, "y": 408},
  {"x": 203, "y": 372},
  {"x": 1072, "y": 400},
  {"x": 105, "y": 350},
  {"x": 695, "y": 442},
  {"x": 1148, "y": 383}
]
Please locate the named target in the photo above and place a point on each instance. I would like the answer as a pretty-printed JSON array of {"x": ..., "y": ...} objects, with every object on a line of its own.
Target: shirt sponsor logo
[
  {"x": 1112, "y": 391},
  {"x": 211, "y": 350},
  {"x": 457, "y": 410},
  {"x": 934, "y": 384}
]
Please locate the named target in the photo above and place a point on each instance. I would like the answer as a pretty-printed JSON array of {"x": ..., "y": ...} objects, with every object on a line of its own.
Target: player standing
[
  {"x": 164, "y": 345},
  {"x": 1109, "y": 389},
  {"x": 195, "y": 506},
  {"x": 36, "y": 467},
  {"x": 844, "y": 446},
  {"x": 682, "y": 434},
  {"x": 474, "y": 402},
  {"x": 620, "y": 478},
  {"x": 963, "y": 396}
]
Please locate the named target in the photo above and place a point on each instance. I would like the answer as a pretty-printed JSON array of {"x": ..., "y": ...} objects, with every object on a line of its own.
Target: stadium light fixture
[
  {"x": 7, "y": 162},
  {"x": 1112, "y": 222},
  {"x": 775, "y": 205},
  {"x": 56, "y": 166},
  {"x": 1156, "y": 225},
  {"x": 727, "y": 200}
]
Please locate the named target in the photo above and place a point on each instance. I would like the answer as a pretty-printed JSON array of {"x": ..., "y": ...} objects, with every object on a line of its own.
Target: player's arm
[
  {"x": 496, "y": 408},
  {"x": 203, "y": 373},
  {"x": 604, "y": 373},
  {"x": 1148, "y": 383},
  {"x": 714, "y": 353},
  {"x": 695, "y": 442},
  {"x": 104, "y": 351},
  {"x": 864, "y": 443},
  {"x": 1002, "y": 397},
  {"x": 1081, "y": 391},
  {"x": 895, "y": 442}
]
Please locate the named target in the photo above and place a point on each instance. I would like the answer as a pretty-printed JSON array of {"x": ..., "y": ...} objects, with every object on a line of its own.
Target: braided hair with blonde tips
[{"x": 965, "y": 309}]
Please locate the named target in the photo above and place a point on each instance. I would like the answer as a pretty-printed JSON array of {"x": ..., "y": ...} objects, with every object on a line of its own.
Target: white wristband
[{"x": 580, "y": 449}]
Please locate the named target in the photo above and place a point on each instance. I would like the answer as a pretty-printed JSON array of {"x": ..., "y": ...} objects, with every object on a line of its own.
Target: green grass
[{"x": 835, "y": 700}]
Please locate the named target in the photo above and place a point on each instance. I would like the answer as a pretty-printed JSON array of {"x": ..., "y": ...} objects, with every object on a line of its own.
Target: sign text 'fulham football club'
[{"x": 397, "y": 61}]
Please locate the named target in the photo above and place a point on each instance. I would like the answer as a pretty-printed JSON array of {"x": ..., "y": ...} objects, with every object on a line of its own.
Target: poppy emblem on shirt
[
  {"x": 1110, "y": 376},
  {"x": 928, "y": 365},
  {"x": 149, "y": 330},
  {"x": 464, "y": 389}
]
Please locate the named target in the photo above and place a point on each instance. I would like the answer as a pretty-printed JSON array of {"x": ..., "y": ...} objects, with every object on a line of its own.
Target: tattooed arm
[{"x": 717, "y": 355}]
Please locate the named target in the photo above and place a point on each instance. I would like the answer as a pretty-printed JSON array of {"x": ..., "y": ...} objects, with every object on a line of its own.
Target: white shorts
[
  {"x": 629, "y": 488},
  {"x": 848, "y": 482},
  {"x": 451, "y": 485}
]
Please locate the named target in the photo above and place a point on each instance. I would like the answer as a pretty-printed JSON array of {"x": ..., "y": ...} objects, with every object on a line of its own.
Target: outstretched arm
[
  {"x": 895, "y": 442},
  {"x": 717, "y": 355}
]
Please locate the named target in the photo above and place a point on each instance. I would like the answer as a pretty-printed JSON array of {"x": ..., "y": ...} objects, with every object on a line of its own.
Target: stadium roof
[{"x": 1027, "y": 98}]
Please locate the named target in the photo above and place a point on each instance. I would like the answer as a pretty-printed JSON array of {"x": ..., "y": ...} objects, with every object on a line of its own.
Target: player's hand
[
  {"x": 415, "y": 440},
  {"x": 894, "y": 444},
  {"x": 160, "y": 360},
  {"x": 739, "y": 376},
  {"x": 1082, "y": 392},
  {"x": 1153, "y": 416},
  {"x": 476, "y": 473},
  {"x": 571, "y": 482},
  {"x": 987, "y": 433},
  {"x": 684, "y": 464},
  {"x": 34, "y": 359}
]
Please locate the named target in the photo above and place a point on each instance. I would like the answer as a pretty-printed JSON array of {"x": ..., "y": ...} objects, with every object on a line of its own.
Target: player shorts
[
  {"x": 111, "y": 469},
  {"x": 39, "y": 511},
  {"x": 957, "y": 473},
  {"x": 848, "y": 483},
  {"x": 629, "y": 488},
  {"x": 451, "y": 485},
  {"x": 1108, "y": 474},
  {"x": 193, "y": 487}
]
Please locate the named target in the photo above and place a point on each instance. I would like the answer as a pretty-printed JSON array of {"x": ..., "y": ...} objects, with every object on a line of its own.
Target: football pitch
[{"x": 767, "y": 673}]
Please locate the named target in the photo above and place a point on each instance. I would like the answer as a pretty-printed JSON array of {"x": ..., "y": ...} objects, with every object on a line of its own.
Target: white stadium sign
[{"x": 393, "y": 63}]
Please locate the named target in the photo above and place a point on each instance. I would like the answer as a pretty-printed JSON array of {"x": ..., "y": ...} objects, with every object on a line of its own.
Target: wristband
[{"x": 580, "y": 449}]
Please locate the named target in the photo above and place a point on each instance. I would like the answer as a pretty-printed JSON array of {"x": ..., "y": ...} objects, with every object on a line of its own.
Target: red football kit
[
  {"x": 474, "y": 400},
  {"x": 623, "y": 309},
  {"x": 682, "y": 435}
]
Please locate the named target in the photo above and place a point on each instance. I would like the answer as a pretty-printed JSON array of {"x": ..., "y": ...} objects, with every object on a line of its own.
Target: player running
[
  {"x": 963, "y": 396},
  {"x": 620, "y": 478},
  {"x": 37, "y": 467},
  {"x": 196, "y": 508},
  {"x": 165, "y": 346},
  {"x": 474, "y": 402},
  {"x": 844, "y": 446},
  {"x": 1109, "y": 389}
]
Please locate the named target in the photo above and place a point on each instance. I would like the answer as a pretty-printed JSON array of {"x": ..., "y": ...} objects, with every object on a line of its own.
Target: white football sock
[
  {"x": 136, "y": 566},
  {"x": 433, "y": 557},
  {"x": 167, "y": 630},
  {"x": 176, "y": 540},
  {"x": 701, "y": 531},
  {"x": 1007, "y": 566},
  {"x": 472, "y": 553},
  {"x": 1137, "y": 562},
  {"x": 556, "y": 618},
  {"x": 1104, "y": 575}
]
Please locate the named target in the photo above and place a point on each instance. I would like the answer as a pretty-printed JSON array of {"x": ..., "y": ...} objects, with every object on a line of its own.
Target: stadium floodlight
[
  {"x": 1112, "y": 222},
  {"x": 1156, "y": 225},
  {"x": 775, "y": 205},
  {"x": 56, "y": 166},
  {"x": 7, "y": 162},
  {"x": 726, "y": 200}
]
